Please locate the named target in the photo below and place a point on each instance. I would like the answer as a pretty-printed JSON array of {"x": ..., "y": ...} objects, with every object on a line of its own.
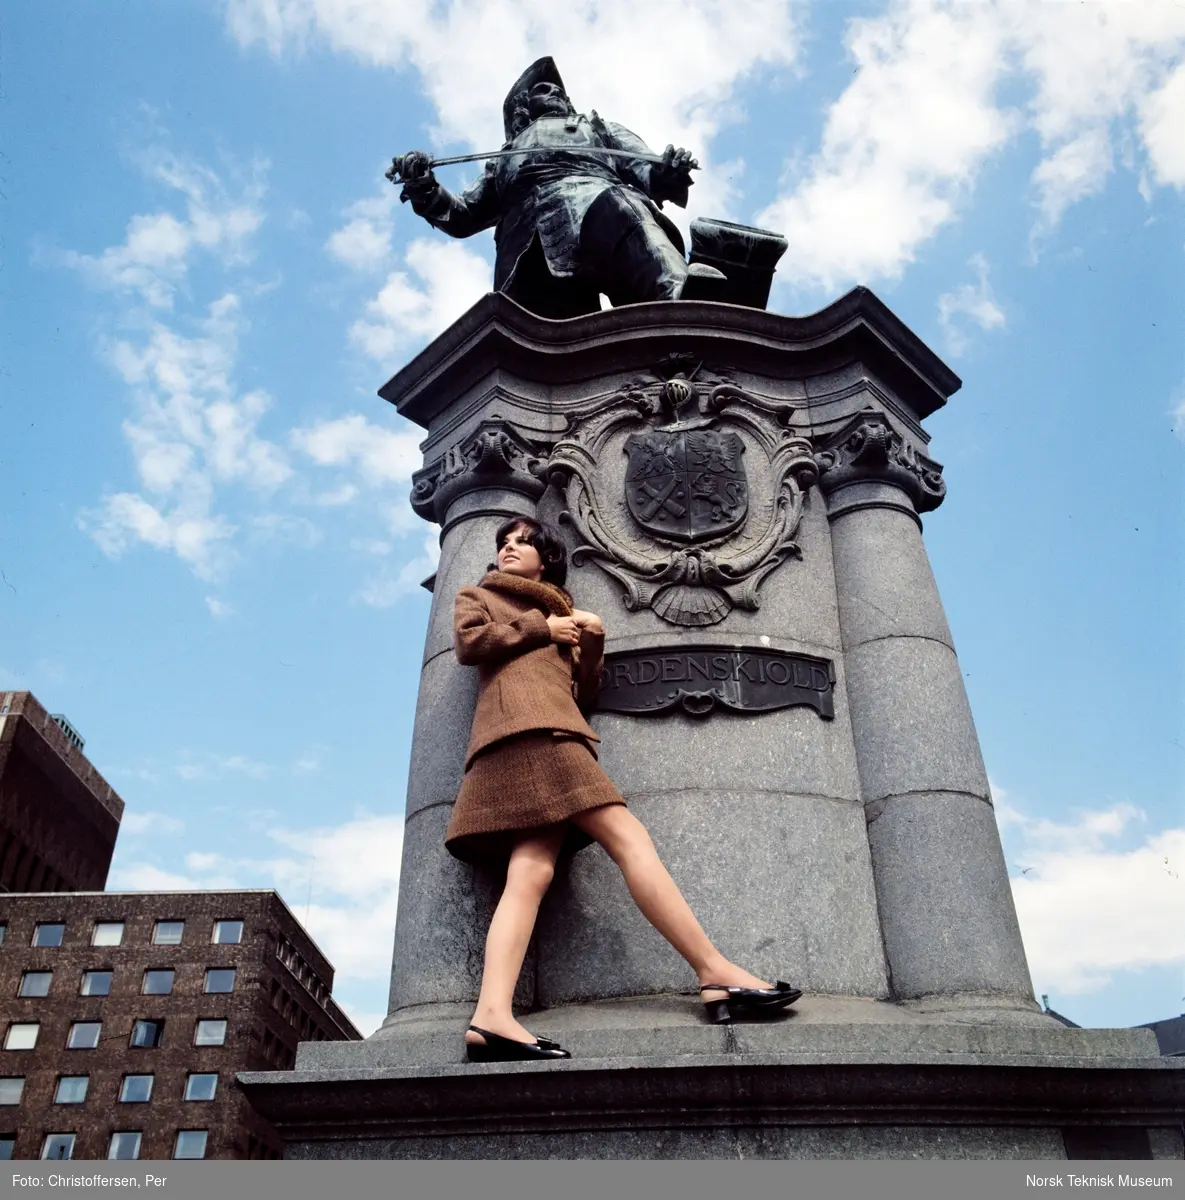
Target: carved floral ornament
[
  {"x": 869, "y": 448},
  {"x": 495, "y": 456}
]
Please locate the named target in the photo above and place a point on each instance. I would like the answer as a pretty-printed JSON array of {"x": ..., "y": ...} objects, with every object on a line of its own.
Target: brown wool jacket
[{"x": 525, "y": 681}]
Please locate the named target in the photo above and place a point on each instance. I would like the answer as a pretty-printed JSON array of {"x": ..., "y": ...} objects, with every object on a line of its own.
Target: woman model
[{"x": 532, "y": 785}]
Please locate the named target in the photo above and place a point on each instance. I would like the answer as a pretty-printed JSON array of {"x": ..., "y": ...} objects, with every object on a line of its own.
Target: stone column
[
  {"x": 949, "y": 924},
  {"x": 444, "y": 905}
]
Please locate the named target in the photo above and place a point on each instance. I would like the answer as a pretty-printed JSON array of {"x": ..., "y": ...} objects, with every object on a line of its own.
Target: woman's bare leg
[
  {"x": 528, "y": 876},
  {"x": 626, "y": 841}
]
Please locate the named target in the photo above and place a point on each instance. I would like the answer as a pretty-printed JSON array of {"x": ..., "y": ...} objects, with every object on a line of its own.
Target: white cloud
[
  {"x": 380, "y": 456},
  {"x": 384, "y": 590},
  {"x": 469, "y": 53},
  {"x": 449, "y": 278},
  {"x": 971, "y": 303},
  {"x": 367, "y": 1022},
  {"x": 1076, "y": 169},
  {"x": 211, "y": 766},
  {"x": 1177, "y": 413},
  {"x": 901, "y": 146},
  {"x": 154, "y": 257},
  {"x": 1090, "y": 908},
  {"x": 905, "y": 142},
  {"x": 136, "y": 824},
  {"x": 219, "y": 609},
  {"x": 1162, "y": 117},
  {"x": 191, "y": 432},
  {"x": 364, "y": 242},
  {"x": 341, "y": 882},
  {"x": 144, "y": 877}
]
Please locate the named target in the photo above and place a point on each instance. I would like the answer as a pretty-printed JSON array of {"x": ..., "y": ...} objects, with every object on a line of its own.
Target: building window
[
  {"x": 210, "y": 1033},
  {"x": 201, "y": 1087},
  {"x": 35, "y": 983},
  {"x": 168, "y": 933},
  {"x": 3, "y": 931},
  {"x": 227, "y": 933},
  {"x": 22, "y": 1035},
  {"x": 49, "y": 935},
  {"x": 107, "y": 933},
  {"x": 146, "y": 1035},
  {"x": 58, "y": 1145},
  {"x": 157, "y": 983},
  {"x": 12, "y": 1087},
  {"x": 95, "y": 983},
  {"x": 136, "y": 1089},
  {"x": 71, "y": 1089},
  {"x": 220, "y": 979},
  {"x": 7, "y": 1145},
  {"x": 191, "y": 1143},
  {"x": 124, "y": 1145},
  {"x": 84, "y": 1035}
]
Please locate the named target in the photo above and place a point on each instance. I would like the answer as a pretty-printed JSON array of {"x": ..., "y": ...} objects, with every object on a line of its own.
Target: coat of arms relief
[{"x": 686, "y": 490}]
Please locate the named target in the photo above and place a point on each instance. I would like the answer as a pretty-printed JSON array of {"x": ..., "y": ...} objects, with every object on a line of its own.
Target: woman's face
[{"x": 518, "y": 557}]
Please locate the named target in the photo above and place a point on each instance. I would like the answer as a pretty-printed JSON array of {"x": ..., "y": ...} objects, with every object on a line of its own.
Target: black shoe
[
  {"x": 501, "y": 1049},
  {"x": 761, "y": 1001}
]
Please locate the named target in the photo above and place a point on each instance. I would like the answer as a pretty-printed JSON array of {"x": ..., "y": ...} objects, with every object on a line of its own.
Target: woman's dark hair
[{"x": 548, "y": 543}]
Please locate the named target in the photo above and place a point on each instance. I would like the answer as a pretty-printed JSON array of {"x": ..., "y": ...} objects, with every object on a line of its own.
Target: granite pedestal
[{"x": 785, "y": 712}]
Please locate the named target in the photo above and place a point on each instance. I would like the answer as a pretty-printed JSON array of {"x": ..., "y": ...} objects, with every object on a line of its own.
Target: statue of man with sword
[{"x": 576, "y": 205}]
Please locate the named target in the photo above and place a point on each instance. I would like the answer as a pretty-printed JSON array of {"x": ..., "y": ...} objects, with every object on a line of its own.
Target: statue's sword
[{"x": 396, "y": 169}]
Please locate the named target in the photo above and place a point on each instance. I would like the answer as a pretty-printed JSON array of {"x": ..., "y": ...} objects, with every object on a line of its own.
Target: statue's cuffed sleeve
[
  {"x": 657, "y": 184},
  {"x": 475, "y": 209}
]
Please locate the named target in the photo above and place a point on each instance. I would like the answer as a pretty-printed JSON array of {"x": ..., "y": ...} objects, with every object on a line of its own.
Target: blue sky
[{"x": 208, "y": 559}]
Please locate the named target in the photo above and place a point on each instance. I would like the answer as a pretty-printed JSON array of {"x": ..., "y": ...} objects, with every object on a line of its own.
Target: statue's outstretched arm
[
  {"x": 666, "y": 180},
  {"x": 475, "y": 209}
]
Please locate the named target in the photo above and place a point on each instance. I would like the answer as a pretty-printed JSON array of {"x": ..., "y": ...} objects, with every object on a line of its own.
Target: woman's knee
[
  {"x": 618, "y": 831},
  {"x": 530, "y": 873}
]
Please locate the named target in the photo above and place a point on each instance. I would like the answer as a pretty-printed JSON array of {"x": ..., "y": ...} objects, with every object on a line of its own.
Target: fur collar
[{"x": 547, "y": 595}]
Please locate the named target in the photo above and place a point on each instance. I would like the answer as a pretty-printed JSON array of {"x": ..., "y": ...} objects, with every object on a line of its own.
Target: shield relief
[{"x": 686, "y": 485}]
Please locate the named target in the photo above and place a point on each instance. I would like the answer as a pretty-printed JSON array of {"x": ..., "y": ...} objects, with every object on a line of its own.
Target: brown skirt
[{"x": 522, "y": 784}]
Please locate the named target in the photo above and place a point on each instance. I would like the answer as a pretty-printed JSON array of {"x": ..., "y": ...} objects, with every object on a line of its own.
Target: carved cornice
[
  {"x": 496, "y": 456},
  {"x": 497, "y": 335},
  {"x": 869, "y": 449}
]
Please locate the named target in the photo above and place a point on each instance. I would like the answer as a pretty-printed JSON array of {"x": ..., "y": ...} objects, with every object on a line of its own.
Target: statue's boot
[{"x": 630, "y": 257}]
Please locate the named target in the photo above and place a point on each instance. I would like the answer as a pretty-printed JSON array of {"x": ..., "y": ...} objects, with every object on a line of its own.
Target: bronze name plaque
[{"x": 699, "y": 679}]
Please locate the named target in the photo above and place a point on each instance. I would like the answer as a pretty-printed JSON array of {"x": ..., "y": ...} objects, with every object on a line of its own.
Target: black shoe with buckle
[
  {"x": 759, "y": 1001},
  {"x": 497, "y": 1048}
]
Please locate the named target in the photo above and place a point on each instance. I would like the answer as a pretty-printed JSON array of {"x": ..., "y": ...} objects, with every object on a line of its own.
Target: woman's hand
[
  {"x": 588, "y": 621},
  {"x": 564, "y": 630}
]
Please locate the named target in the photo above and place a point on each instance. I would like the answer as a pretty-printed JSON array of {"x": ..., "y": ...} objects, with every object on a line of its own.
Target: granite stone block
[
  {"x": 444, "y": 716},
  {"x": 444, "y": 911},
  {"x": 828, "y": 1142},
  {"x": 883, "y": 579},
  {"x": 946, "y": 907},
  {"x": 792, "y": 750},
  {"x": 911, "y": 720},
  {"x": 781, "y": 883}
]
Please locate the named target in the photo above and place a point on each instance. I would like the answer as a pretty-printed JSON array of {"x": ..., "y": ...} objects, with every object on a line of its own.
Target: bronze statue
[{"x": 576, "y": 203}]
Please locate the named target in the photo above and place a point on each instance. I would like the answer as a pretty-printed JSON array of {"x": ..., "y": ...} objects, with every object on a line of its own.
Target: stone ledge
[
  {"x": 669, "y": 1030},
  {"x": 770, "y": 1105}
]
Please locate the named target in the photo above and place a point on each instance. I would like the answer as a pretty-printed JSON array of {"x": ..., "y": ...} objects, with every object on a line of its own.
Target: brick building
[
  {"x": 58, "y": 816},
  {"x": 126, "y": 1016}
]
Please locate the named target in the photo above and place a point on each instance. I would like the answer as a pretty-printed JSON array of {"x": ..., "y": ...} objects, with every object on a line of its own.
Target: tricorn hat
[{"x": 542, "y": 70}]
